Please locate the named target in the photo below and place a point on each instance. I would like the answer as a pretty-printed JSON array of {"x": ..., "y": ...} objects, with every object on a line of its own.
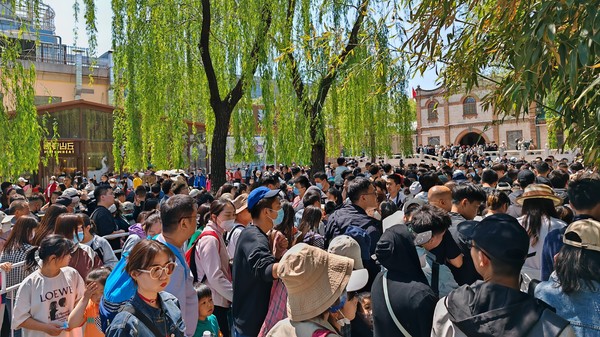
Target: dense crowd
[{"x": 468, "y": 247}]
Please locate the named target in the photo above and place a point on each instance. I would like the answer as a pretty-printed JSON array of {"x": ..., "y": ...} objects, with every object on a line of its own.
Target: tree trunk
[
  {"x": 317, "y": 137},
  {"x": 219, "y": 146}
]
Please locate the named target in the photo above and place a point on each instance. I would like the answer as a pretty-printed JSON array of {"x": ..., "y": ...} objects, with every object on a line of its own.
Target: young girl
[
  {"x": 206, "y": 320},
  {"x": 100, "y": 245},
  {"x": 150, "y": 265},
  {"x": 87, "y": 310},
  {"x": 151, "y": 227},
  {"x": 47, "y": 296}
]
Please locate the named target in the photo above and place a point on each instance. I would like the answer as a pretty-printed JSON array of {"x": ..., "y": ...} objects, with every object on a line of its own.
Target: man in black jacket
[
  {"x": 496, "y": 306},
  {"x": 362, "y": 195}
]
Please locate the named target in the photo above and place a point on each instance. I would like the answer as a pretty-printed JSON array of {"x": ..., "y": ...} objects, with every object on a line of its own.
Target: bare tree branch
[
  {"x": 234, "y": 96},
  {"x": 209, "y": 70},
  {"x": 327, "y": 81}
]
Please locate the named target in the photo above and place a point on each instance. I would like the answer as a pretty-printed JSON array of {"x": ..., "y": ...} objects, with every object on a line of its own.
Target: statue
[{"x": 96, "y": 174}]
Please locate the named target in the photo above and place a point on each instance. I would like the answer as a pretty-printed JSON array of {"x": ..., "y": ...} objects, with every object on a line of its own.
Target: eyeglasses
[
  {"x": 157, "y": 271},
  {"x": 372, "y": 193},
  {"x": 472, "y": 244}
]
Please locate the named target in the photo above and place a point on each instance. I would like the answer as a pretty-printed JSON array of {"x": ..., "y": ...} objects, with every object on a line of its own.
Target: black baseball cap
[
  {"x": 525, "y": 178},
  {"x": 502, "y": 238}
]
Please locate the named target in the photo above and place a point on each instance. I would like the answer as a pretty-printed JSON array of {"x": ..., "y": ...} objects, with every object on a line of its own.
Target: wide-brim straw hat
[
  {"x": 314, "y": 280},
  {"x": 539, "y": 191}
]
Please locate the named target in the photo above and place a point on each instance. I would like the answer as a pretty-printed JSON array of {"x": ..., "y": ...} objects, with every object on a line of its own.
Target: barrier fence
[{"x": 12, "y": 290}]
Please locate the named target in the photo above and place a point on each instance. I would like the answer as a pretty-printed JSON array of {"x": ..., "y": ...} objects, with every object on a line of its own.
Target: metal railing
[
  {"x": 13, "y": 289},
  {"x": 61, "y": 54}
]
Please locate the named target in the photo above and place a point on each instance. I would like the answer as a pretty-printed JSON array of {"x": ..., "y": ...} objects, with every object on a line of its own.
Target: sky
[{"x": 65, "y": 24}]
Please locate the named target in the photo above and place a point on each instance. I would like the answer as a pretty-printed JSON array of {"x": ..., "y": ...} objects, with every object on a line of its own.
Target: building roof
[{"x": 80, "y": 103}]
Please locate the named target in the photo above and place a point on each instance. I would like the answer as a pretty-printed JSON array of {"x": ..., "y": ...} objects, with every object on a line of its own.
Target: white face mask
[
  {"x": 227, "y": 225},
  {"x": 112, "y": 208},
  {"x": 376, "y": 215},
  {"x": 343, "y": 321},
  {"x": 6, "y": 227}
]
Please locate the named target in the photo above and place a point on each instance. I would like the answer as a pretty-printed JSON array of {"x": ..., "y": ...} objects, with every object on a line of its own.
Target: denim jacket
[
  {"x": 580, "y": 308},
  {"x": 167, "y": 318}
]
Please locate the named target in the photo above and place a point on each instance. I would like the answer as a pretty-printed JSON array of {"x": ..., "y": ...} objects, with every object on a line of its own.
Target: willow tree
[
  {"x": 535, "y": 51},
  {"x": 202, "y": 60},
  {"x": 23, "y": 132},
  {"x": 338, "y": 83}
]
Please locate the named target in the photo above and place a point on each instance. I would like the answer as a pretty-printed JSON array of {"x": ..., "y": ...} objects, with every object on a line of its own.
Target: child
[
  {"x": 87, "y": 310},
  {"x": 48, "y": 295},
  {"x": 206, "y": 320}
]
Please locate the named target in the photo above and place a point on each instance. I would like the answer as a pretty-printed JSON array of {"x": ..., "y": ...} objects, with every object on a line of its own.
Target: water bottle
[{"x": 207, "y": 334}]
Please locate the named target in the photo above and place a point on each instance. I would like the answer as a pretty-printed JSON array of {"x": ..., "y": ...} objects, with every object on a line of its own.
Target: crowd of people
[{"x": 468, "y": 247}]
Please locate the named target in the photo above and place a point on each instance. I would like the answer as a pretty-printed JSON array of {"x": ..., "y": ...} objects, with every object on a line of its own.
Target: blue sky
[{"x": 65, "y": 24}]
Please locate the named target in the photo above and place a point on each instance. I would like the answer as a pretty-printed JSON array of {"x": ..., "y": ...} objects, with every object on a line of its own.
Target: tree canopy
[
  {"x": 319, "y": 70},
  {"x": 542, "y": 52},
  {"x": 22, "y": 131}
]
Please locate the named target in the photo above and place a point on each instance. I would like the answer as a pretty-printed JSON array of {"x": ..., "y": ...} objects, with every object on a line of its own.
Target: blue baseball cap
[{"x": 258, "y": 194}]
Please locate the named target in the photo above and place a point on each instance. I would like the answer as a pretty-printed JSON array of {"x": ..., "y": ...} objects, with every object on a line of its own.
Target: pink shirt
[{"x": 212, "y": 260}]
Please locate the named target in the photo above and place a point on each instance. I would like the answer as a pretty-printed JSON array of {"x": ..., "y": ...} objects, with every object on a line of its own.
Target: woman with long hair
[
  {"x": 87, "y": 236},
  {"x": 47, "y": 296},
  {"x": 574, "y": 288},
  {"x": 15, "y": 250},
  {"x": 282, "y": 235},
  {"x": 83, "y": 258},
  {"x": 539, "y": 218},
  {"x": 152, "y": 311},
  {"x": 311, "y": 218},
  {"x": 212, "y": 259},
  {"x": 46, "y": 226}
]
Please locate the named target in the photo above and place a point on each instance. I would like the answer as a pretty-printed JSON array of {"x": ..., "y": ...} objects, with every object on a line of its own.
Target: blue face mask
[
  {"x": 78, "y": 237},
  {"x": 279, "y": 219},
  {"x": 296, "y": 191},
  {"x": 319, "y": 185}
]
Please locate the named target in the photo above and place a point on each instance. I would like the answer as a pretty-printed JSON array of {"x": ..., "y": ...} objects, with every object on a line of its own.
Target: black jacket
[
  {"x": 411, "y": 298},
  {"x": 488, "y": 309},
  {"x": 351, "y": 214}
]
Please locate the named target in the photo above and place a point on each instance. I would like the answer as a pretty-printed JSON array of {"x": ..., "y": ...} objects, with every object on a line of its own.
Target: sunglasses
[{"x": 157, "y": 271}]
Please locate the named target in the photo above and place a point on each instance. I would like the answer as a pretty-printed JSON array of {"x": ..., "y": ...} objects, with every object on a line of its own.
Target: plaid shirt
[
  {"x": 18, "y": 274},
  {"x": 277, "y": 307}
]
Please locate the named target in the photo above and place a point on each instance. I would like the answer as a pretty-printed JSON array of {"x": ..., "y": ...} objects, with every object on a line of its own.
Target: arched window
[
  {"x": 469, "y": 106},
  {"x": 432, "y": 110}
]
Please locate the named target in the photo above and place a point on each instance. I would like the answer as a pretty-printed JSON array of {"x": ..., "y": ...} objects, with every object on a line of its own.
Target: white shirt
[{"x": 48, "y": 300}]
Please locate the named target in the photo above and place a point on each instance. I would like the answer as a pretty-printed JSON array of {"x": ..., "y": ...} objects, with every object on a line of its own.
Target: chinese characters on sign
[{"x": 60, "y": 147}]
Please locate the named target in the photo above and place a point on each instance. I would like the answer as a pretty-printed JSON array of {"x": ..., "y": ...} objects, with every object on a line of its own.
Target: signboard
[{"x": 60, "y": 147}]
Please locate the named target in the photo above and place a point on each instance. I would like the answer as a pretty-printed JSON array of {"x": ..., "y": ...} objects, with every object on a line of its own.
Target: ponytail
[
  {"x": 30, "y": 261},
  {"x": 53, "y": 244}
]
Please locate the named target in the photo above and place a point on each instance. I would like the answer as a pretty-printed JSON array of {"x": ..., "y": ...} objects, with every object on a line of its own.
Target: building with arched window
[{"x": 459, "y": 118}]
